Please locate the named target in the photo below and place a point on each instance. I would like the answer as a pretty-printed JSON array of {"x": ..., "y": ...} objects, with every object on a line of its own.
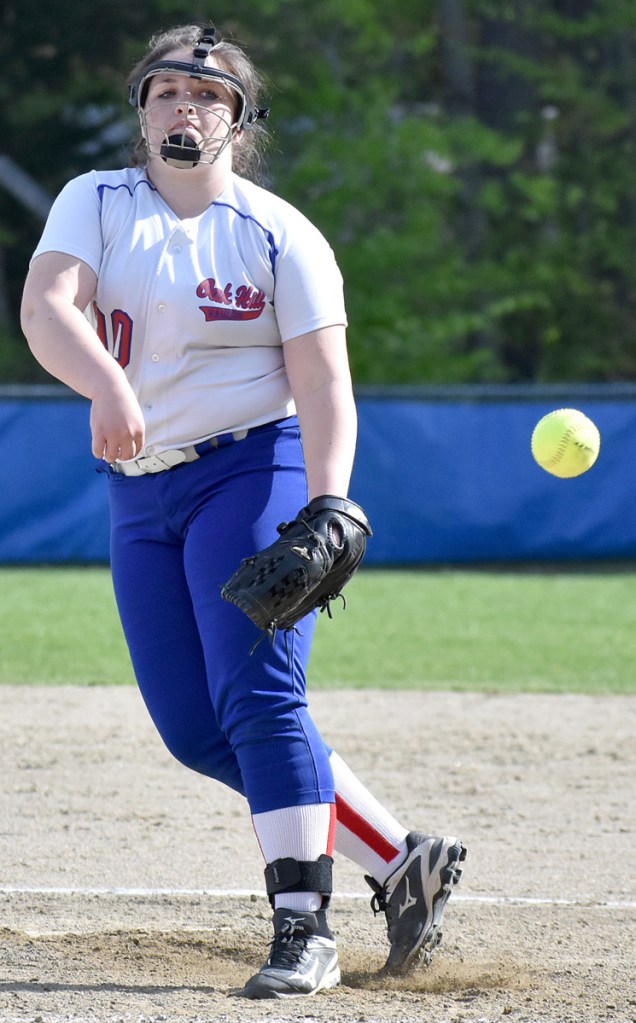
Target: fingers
[
  {"x": 117, "y": 446},
  {"x": 117, "y": 426}
]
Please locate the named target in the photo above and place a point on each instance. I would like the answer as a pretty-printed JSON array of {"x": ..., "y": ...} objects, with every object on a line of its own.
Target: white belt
[{"x": 176, "y": 456}]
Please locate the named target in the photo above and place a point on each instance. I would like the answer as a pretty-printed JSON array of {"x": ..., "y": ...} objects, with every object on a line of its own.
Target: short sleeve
[
  {"x": 73, "y": 225},
  {"x": 308, "y": 292}
]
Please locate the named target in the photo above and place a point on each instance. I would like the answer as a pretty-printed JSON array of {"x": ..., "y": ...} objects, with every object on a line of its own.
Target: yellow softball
[{"x": 565, "y": 443}]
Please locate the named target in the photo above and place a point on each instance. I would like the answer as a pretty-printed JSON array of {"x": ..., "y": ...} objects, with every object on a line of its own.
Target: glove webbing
[{"x": 289, "y": 875}]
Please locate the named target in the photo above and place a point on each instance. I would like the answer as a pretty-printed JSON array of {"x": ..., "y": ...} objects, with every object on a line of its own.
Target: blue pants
[{"x": 176, "y": 537}]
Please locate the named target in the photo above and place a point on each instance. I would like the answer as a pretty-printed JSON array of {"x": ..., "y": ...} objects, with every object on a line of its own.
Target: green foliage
[
  {"x": 16, "y": 364},
  {"x": 472, "y": 164}
]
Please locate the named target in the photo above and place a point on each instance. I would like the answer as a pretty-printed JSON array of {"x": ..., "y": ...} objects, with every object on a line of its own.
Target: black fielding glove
[{"x": 314, "y": 557}]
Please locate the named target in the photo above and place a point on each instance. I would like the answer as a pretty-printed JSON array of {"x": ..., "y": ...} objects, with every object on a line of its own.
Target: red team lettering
[
  {"x": 248, "y": 303},
  {"x": 208, "y": 289},
  {"x": 250, "y": 298}
]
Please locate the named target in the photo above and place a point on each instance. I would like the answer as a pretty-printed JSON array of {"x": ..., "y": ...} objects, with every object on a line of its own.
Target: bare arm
[
  {"x": 317, "y": 365},
  {"x": 57, "y": 290}
]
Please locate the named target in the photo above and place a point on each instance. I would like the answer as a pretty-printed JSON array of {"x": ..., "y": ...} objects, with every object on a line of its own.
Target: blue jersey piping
[
  {"x": 114, "y": 188},
  {"x": 273, "y": 248}
]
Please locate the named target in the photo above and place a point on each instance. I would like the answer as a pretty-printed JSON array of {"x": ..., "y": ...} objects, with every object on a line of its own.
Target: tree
[{"x": 471, "y": 162}]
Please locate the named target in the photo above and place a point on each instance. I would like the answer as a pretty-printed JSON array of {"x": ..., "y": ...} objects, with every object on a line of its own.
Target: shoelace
[
  {"x": 287, "y": 947},
  {"x": 379, "y": 898}
]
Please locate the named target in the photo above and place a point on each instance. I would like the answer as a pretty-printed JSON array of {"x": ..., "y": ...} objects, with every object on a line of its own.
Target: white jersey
[{"x": 196, "y": 311}]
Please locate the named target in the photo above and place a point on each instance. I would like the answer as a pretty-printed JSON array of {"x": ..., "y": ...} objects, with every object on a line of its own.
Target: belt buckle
[{"x": 157, "y": 463}]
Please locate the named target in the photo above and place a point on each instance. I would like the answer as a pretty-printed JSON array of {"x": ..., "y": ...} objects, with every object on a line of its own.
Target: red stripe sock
[{"x": 364, "y": 831}]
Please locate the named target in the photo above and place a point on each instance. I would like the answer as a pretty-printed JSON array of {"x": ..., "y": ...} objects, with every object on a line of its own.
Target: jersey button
[
  {"x": 177, "y": 249},
  {"x": 148, "y": 405},
  {"x": 155, "y": 357},
  {"x": 161, "y": 308},
  {"x": 150, "y": 450}
]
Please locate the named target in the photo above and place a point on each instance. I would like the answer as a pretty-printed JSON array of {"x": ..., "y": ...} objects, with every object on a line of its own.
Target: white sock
[
  {"x": 301, "y": 832},
  {"x": 366, "y": 832}
]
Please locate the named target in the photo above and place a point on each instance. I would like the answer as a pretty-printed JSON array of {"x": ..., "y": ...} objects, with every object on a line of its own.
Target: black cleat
[{"x": 415, "y": 896}]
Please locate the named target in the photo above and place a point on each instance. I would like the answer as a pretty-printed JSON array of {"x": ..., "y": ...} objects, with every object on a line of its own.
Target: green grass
[
  {"x": 558, "y": 630},
  {"x": 60, "y": 625},
  {"x": 502, "y": 630}
]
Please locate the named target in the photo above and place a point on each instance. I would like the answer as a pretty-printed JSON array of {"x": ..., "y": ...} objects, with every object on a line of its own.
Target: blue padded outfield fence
[{"x": 445, "y": 475}]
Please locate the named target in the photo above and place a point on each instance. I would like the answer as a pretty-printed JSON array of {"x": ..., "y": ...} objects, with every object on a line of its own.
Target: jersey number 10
[{"x": 122, "y": 327}]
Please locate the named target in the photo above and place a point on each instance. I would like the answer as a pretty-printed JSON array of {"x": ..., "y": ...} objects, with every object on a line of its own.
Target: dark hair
[{"x": 247, "y": 156}]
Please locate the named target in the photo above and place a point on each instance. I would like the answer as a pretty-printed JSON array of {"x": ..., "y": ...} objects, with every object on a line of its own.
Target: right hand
[{"x": 117, "y": 423}]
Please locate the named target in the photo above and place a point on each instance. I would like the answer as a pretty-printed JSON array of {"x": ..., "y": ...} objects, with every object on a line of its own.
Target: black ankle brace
[{"x": 289, "y": 875}]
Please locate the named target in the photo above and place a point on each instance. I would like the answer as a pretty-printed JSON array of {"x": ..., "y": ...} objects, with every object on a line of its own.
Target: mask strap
[{"x": 206, "y": 43}]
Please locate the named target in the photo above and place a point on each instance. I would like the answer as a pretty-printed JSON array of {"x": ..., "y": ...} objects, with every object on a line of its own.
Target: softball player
[{"x": 204, "y": 319}]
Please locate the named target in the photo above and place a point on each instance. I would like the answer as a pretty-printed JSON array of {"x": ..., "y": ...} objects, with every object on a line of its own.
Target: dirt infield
[{"x": 131, "y": 889}]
